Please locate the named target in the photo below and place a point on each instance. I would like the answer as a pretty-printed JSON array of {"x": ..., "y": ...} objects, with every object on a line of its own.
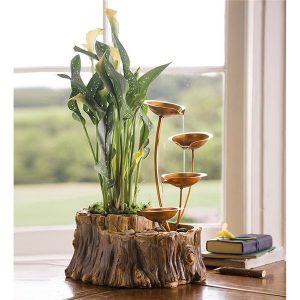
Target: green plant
[{"x": 113, "y": 100}]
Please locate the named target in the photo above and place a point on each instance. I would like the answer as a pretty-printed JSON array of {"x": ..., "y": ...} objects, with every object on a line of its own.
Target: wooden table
[{"x": 44, "y": 279}]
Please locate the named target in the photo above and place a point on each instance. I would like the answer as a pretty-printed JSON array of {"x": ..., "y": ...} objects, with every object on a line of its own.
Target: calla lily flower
[
  {"x": 79, "y": 98},
  {"x": 138, "y": 155},
  {"x": 91, "y": 39},
  {"x": 111, "y": 15},
  {"x": 116, "y": 58},
  {"x": 224, "y": 232}
]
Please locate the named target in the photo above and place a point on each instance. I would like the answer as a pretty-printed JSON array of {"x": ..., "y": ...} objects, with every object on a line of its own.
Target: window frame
[
  {"x": 238, "y": 206},
  {"x": 25, "y": 237}
]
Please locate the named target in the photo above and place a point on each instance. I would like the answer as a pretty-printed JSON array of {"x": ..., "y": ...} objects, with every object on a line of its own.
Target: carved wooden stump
[{"x": 125, "y": 251}]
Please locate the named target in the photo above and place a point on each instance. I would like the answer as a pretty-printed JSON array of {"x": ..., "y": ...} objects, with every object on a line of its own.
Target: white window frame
[{"x": 246, "y": 191}]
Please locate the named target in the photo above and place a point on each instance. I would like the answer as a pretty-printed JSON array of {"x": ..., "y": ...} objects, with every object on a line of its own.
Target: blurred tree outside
[{"x": 50, "y": 147}]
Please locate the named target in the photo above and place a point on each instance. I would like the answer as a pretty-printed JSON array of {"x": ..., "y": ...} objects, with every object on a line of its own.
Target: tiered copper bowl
[
  {"x": 165, "y": 109},
  {"x": 183, "y": 179},
  {"x": 191, "y": 140},
  {"x": 159, "y": 214}
]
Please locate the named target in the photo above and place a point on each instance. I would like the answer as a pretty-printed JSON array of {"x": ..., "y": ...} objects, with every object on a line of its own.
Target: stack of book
[{"x": 244, "y": 251}]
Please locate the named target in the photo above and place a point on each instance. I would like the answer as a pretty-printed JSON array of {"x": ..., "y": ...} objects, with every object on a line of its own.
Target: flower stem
[
  {"x": 89, "y": 141},
  {"x": 137, "y": 175}
]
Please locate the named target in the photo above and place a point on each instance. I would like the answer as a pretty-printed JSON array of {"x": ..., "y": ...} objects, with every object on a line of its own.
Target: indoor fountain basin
[
  {"x": 165, "y": 109},
  {"x": 183, "y": 179},
  {"x": 159, "y": 214},
  {"x": 191, "y": 140}
]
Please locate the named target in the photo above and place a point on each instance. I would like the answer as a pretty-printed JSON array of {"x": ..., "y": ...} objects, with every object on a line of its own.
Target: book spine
[{"x": 223, "y": 263}]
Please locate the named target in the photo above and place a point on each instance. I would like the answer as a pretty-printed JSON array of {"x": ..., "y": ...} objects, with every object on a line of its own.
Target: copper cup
[
  {"x": 191, "y": 140},
  {"x": 159, "y": 214},
  {"x": 164, "y": 108},
  {"x": 183, "y": 179}
]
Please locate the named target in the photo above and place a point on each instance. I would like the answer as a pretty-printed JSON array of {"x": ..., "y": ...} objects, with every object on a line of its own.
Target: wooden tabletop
[{"x": 44, "y": 279}]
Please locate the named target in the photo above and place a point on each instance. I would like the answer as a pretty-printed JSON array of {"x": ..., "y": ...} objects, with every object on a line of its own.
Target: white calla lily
[
  {"x": 112, "y": 18},
  {"x": 79, "y": 98},
  {"x": 91, "y": 38}
]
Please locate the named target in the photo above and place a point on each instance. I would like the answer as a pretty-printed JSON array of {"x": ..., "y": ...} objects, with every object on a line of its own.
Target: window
[
  {"x": 53, "y": 177},
  {"x": 235, "y": 66}
]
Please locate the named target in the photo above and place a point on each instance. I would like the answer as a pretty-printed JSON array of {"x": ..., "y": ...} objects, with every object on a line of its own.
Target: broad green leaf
[
  {"x": 105, "y": 128},
  {"x": 72, "y": 105},
  {"x": 145, "y": 119},
  {"x": 75, "y": 66},
  {"x": 114, "y": 24},
  {"x": 91, "y": 38},
  {"x": 119, "y": 82},
  {"x": 82, "y": 99},
  {"x": 132, "y": 81},
  {"x": 64, "y": 76},
  {"x": 136, "y": 101},
  {"x": 88, "y": 53},
  {"x": 100, "y": 68},
  {"x": 86, "y": 94},
  {"x": 95, "y": 84},
  {"x": 90, "y": 114},
  {"x": 146, "y": 152},
  {"x": 77, "y": 84},
  {"x": 124, "y": 56},
  {"x": 148, "y": 77},
  {"x": 101, "y": 98},
  {"x": 120, "y": 87},
  {"x": 113, "y": 152},
  {"x": 101, "y": 168},
  {"x": 144, "y": 134},
  {"x": 126, "y": 111},
  {"x": 101, "y": 48},
  {"x": 78, "y": 118},
  {"x": 145, "y": 129},
  {"x": 110, "y": 183},
  {"x": 137, "y": 72}
]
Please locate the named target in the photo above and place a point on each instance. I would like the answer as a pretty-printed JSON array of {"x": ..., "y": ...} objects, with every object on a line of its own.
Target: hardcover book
[
  {"x": 269, "y": 257},
  {"x": 241, "y": 244},
  {"x": 236, "y": 256}
]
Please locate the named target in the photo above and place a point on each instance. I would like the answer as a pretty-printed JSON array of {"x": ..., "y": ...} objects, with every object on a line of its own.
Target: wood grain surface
[
  {"x": 45, "y": 280},
  {"x": 126, "y": 251}
]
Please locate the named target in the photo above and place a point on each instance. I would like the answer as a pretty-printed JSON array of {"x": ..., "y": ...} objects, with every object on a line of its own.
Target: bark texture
[{"x": 125, "y": 251}]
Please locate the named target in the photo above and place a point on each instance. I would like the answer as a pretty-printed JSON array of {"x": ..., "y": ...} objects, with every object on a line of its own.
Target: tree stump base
[{"x": 125, "y": 251}]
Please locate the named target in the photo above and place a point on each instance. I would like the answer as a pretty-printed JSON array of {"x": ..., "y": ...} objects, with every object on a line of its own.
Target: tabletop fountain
[
  {"x": 144, "y": 250},
  {"x": 181, "y": 180},
  {"x": 118, "y": 242}
]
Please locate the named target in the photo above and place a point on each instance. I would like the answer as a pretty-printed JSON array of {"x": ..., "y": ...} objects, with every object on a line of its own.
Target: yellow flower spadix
[{"x": 224, "y": 232}]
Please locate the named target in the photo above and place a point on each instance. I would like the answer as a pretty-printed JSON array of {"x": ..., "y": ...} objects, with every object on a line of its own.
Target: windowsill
[{"x": 57, "y": 240}]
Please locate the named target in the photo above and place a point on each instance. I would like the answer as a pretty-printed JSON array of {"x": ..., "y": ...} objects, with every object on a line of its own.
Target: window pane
[
  {"x": 46, "y": 31},
  {"x": 54, "y": 174},
  {"x": 188, "y": 33}
]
